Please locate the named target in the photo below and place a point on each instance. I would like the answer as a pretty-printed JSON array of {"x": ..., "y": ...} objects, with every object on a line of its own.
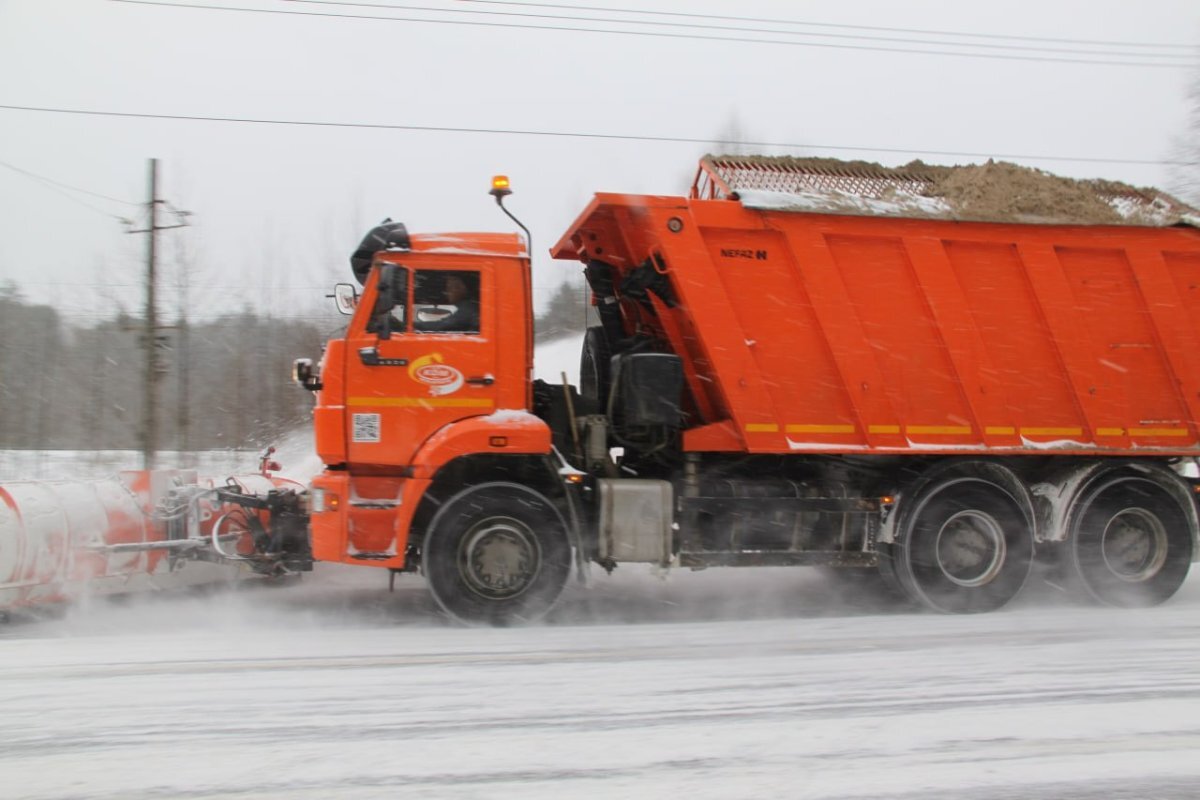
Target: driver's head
[{"x": 456, "y": 290}]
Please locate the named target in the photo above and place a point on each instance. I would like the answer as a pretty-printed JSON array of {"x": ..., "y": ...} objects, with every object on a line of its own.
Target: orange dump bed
[{"x": 811, "y": 332}]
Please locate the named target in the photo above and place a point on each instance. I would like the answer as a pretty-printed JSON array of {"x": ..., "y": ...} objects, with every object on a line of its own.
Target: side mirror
[
  {"x": 390, "y": 292},
  {"x": 385, "y": 299},
  {"x": 345, "y": 296},
  {"x": 304, "y": 374}
]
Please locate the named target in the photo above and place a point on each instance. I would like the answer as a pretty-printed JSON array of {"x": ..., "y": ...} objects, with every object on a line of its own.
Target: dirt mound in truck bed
[
  {"x": 996, "y": 191},
  {"x": 1002, "y": 192}
]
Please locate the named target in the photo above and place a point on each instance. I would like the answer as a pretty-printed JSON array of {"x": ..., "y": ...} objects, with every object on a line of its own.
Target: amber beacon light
[{"x": 500, "y": 186}]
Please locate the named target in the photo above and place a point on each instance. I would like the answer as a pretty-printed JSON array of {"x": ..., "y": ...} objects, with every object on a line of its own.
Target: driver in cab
[{"x": 465, "y": 316}]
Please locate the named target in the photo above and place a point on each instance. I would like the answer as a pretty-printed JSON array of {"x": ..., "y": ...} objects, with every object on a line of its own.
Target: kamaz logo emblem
[{"x": 753, "y": 255}]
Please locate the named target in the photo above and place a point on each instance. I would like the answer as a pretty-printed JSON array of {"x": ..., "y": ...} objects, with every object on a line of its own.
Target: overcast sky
[{"x": 276, "y": 208}]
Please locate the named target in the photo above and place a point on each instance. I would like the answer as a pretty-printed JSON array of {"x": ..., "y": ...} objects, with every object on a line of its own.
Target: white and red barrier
[{"x": 142, "y": 530}]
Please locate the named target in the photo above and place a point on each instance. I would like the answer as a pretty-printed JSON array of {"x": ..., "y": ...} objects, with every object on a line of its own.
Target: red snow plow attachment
[{"x": 144, "y": 529}]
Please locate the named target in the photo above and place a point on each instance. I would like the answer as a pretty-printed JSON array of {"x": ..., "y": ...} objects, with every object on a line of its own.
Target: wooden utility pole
[
  {"x": 150, "y": 333},
  {"x": 183, "y": 421},
  {"x": 150, "y": 326}
]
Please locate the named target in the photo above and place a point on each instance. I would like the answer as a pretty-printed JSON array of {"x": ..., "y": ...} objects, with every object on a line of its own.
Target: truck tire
[
  {"x": 1130, "y": 541},
  {"x": 497, "y": 554},
  {"x": 594, "y": 365},
  {"x": 966, "y": 547},
  {"x": 888, "y": 573}
]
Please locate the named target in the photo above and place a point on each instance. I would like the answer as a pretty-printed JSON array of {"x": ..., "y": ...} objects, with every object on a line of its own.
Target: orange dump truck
[
  {"x": 937, "y": 400},
  {"x": 877, "y": 386}
]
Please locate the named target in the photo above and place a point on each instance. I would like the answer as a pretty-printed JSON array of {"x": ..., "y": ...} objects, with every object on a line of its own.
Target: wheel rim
[
  {"x": 971, "y": 548},
  {"x": 499, "y": 558},
  {"x": 1134, "y": 545}
]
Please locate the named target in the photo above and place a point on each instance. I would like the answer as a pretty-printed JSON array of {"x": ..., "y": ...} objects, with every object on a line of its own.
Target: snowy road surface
[{"x": 638, "y": 687}]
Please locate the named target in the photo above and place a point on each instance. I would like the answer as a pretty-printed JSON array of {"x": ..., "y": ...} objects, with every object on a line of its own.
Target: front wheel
[
  {"x": 1131, "y": 541},
  {"x": 497, "y": 554}
]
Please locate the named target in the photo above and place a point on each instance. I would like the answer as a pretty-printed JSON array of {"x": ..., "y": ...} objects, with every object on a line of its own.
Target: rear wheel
[
  {"x": 888, "y": 571},
  {"x": 966, "y": 546},
  {"x": 497, "y": 554},
  {"x": 1131, "y": 541},
  {"x": 594, "y": 366}
]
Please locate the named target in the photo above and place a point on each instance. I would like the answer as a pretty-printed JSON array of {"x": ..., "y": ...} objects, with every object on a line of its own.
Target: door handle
[
  {"x": 370, "y": 357},
  {"x": 481, "y": 380}
]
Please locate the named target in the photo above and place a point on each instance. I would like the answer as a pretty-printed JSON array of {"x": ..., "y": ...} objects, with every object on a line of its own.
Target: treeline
[
  {"x": 565, "y": 315},
  {"x": 223, "y": 383}
]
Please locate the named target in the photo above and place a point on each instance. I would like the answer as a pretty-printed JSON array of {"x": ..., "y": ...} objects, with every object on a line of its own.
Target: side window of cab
[
  {"x": 390, "y": 314},
  {"x": 446, "y": 301}
]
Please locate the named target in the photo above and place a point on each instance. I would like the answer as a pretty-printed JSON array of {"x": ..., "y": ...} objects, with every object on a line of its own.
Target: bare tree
[
  {"x": 1185, "y": 179},
  {"x": 731, "y": 139}
]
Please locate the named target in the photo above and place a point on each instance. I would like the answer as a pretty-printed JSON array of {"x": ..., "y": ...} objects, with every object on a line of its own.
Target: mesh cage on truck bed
[{"x": 990, "y": 192}]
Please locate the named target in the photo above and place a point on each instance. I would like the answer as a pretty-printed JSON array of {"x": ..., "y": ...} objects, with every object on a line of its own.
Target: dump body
[{"x": 821, "y": 333}]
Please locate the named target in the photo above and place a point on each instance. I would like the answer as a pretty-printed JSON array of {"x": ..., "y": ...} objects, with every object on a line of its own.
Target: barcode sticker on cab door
[{"x": 366, "y": 427}]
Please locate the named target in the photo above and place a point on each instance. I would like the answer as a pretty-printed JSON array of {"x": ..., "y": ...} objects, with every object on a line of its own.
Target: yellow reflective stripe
[
  {"x": 1158, "y": 431},
  {"x": 819, "y": 428},
  {"x": 959, "y": 430},
  {"x": 1051, "y": 431},
  {"x": 423, "y": 402}
]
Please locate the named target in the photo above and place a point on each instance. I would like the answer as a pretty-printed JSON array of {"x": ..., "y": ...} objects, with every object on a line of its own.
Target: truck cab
[
  {"x": 442, "y": 334},
  {"x": 434, "y": 366}
]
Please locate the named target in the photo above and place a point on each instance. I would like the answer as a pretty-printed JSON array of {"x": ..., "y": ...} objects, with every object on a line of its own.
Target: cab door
[{"x": 435, "y": 365}]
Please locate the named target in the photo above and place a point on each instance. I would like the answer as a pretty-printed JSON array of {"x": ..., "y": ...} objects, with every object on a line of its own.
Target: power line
[
  {"x": 58, "y": 187},
  {"x": 842, "y": 26},
  {"x": 65, "y": 185},
  {"x": 650, "y": 34},
  {"x": 592, "y": 136},
  {"x": 1189, "y": 55}
]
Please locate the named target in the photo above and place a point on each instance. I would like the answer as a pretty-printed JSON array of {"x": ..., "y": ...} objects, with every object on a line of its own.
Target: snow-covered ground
[
  {"x": 294, "y": 453},
  {"x": 556, "y": 357},
  {"x": 52, "y": 465},
  {"x": 717, "y": 684},
  {"x": 756, "y": 683}
]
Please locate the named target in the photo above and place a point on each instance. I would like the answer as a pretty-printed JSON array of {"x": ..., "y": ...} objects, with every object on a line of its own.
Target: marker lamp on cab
[{"x": 322, "y": 500}]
